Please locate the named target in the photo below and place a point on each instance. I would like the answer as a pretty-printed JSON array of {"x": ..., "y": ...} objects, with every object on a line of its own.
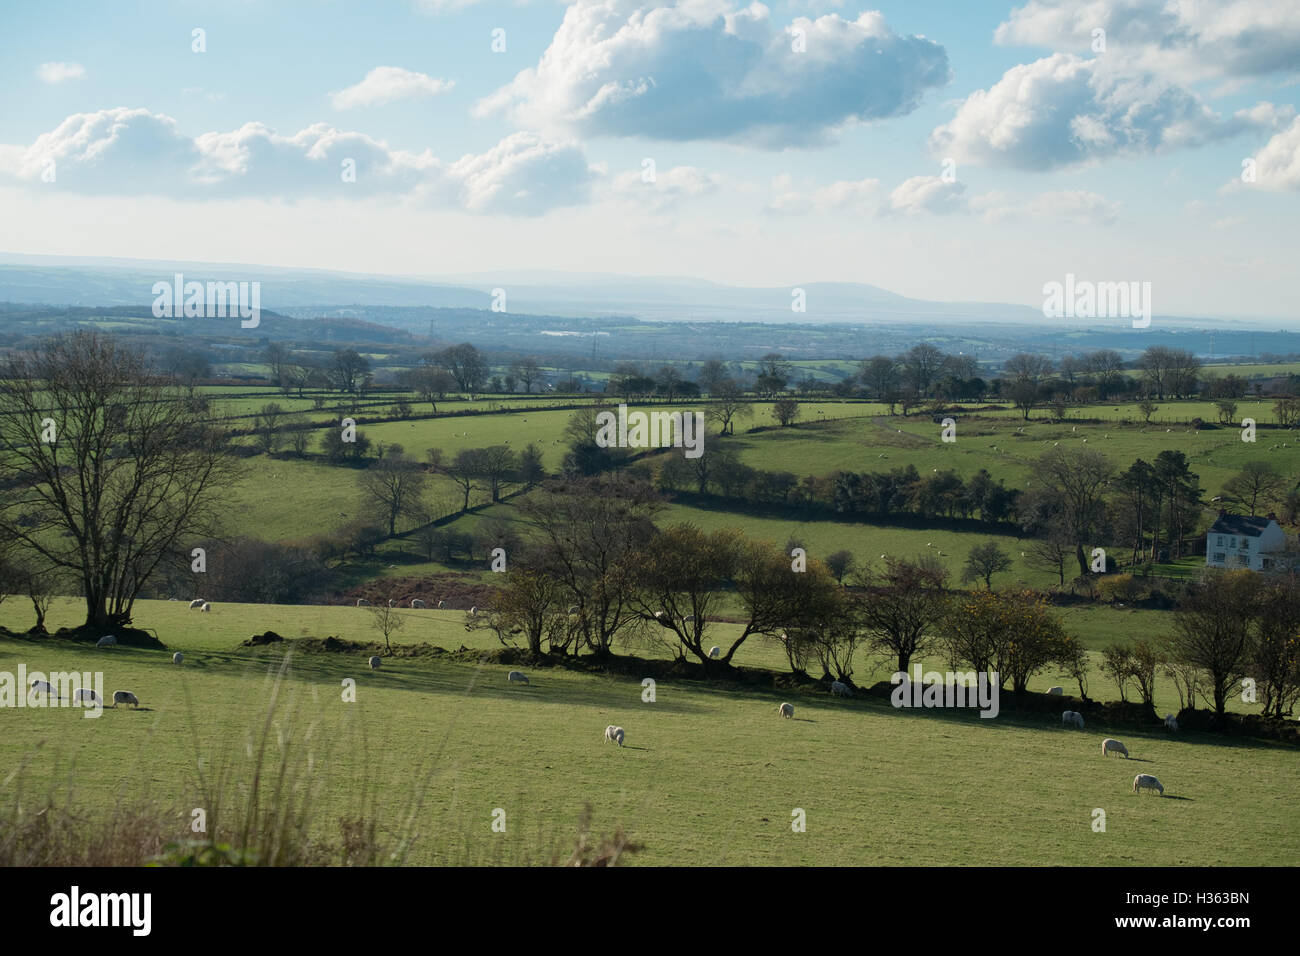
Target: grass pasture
[{"x": 877, "y": 785}]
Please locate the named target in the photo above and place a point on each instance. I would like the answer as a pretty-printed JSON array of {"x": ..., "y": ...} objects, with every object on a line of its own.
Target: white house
[{"x": 1242, "y": 541}]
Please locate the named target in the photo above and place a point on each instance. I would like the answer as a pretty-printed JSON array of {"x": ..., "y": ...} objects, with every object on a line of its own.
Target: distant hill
[{"x": 57, "y": 280}]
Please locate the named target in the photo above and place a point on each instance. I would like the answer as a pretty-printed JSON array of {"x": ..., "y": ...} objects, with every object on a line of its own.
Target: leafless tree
[{"x": 133, "y": 471}]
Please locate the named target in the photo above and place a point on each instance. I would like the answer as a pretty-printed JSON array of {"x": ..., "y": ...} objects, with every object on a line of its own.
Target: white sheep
[
  {"x": 374, "y": 663},
  {"x": 392, "y": 603},
  {"x": 197, "y": 602},
  {"x": 1171, "y": 722},
  {"x": 108, "y": 640},
  {"x": 1144, "y": 781},
  {"x": 442, "y": 605},
  {"x": 1058, "y": 691},
  {"x": 362, "y": 602},
  {"x": 1111, "y": 745},
  {"x": 715, "y": 651},
  {"x": 178, "y": 658},
  {"x": 573, "y": 609},
  {"x": 473, "y": 611},
  {"x": 615, "y": 734},
  {"x": 416, "y": 602},
  {"x": 517, "y": 677},
  {"x": 86, "y": 694},
  {"x": 125, "y": 697},
  {"x": 1072, "y": 718},
  {"x": 45, "y": 687},
  {"x": 786, "y": 710},
  {"x": 206, "y": 607},
  {"x": 840, "y": 689}
]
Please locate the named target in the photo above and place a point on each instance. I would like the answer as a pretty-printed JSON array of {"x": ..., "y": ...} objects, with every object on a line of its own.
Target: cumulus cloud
[
  {"x": 60, "y": 72},
  {"x": 669, "y": 188},
  {"x": 1063, "y": 110},
  {"x": 385, "y": 84},
  {"x": 845, "y": 195},
  {"x": 931, "y": 194},
  {"x": 920, "y": 194},
  {"x": 702, "y": 70},
  {"x": 134, "y": 152},
  {"x": 1277, "y": 165},
  {"x": 1065, "y": 205},
  {"x": 1191, "y": 39}
]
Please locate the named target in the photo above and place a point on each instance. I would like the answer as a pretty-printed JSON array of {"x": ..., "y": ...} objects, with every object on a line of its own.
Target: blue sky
[{"x": 773, "y": 165}]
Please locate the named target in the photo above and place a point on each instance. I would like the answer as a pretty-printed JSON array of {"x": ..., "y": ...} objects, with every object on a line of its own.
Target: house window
[
  {"x": 1220, "y": 541},
  {"x": 1218, "y": 557}
]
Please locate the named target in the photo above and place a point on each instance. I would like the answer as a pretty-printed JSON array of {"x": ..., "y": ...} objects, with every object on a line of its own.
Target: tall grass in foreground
[{"x": 255, "y": 801}]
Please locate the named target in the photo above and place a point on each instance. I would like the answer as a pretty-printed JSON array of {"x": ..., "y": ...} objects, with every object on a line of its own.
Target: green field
[{"x": 877, "y": 785}]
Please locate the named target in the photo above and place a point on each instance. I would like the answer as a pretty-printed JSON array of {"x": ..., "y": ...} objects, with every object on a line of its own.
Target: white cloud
[
  {"x": 1062, "y": 111},
  {"x": 930, "y": 194},
  {"x": 60, "y": 72},
  {"x": 1066, "y": 205},
  {"x": 1277, "y": 165},
  {"x": 1187, "y": 39},
  {"x": 385, "y": 84},
  {"x": 703, "y": 70},
  {"x": 670, "y": 187},
  {"x": 134, "y": 152}
]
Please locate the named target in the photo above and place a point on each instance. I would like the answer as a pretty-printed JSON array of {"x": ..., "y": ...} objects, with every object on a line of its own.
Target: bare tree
[
  {"x": 729, "y": 403},
  {"x": 387, "y": 620},
  {"x": 132, "y": 472},
  {"x": 394, "y": 485},
  {"x": 785, "y": 410},
  {"x": 266, "y": 428},
  {"x": 984, "y": 561},
  {"x": 904, "y": 604}
]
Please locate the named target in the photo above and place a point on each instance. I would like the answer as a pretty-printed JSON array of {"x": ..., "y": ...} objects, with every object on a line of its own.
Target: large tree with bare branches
[{"x": 107, "y": 469}]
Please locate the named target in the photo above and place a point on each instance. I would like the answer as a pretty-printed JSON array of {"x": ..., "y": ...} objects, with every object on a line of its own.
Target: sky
[{"x": 961, "y": 151}]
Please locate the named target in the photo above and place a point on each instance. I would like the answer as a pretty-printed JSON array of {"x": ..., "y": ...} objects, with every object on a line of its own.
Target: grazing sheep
[
  {"x": 178, "y": 658},
  {"x": 517, "y": 677},
  {"x": 362, "y": 602},
  {"x": 392, "y": 603},
  {"x": 197, "y": 602},
  {"x": 573, "y": 609},
  {"x": 786, "y": 710},
  {"x": 473, "y": 611},
  {"x": 1072, "y": 717},
  {"x": 615, "y": 734},
  {"x": 45, "y": 687},
  {"x": 374, "y": 663},
  {"x": 416, "y": 602},
  {"x": 840, "y": 689},
  {"x": 442, "y": 605},
  {"x": 689, "y": 619},
  {"x": 715, "y": 651},
  {"x": 85, "y": 693},
  {"x": 108, "y": 640},
  {"x": 1144, "y": 781},
  {"x": 1110, "y": 744},
  {"x": 1058, "y": 691},
  {"x": 125, "y": 697},
  {"x": 1171, "y": 722},
  {"x": 206, "y": 607}
]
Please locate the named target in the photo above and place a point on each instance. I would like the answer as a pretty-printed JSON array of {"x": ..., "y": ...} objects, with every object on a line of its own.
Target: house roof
[{"x": 1240, "y": 525}]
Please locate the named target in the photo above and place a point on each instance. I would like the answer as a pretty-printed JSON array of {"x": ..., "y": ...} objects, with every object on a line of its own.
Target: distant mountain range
[{"x": 80, "y": 281}]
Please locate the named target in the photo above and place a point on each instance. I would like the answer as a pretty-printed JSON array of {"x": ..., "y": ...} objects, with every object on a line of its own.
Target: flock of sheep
[
  {"x": 1143, "y": 781},
  {"x": 415, "y": 603}
]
